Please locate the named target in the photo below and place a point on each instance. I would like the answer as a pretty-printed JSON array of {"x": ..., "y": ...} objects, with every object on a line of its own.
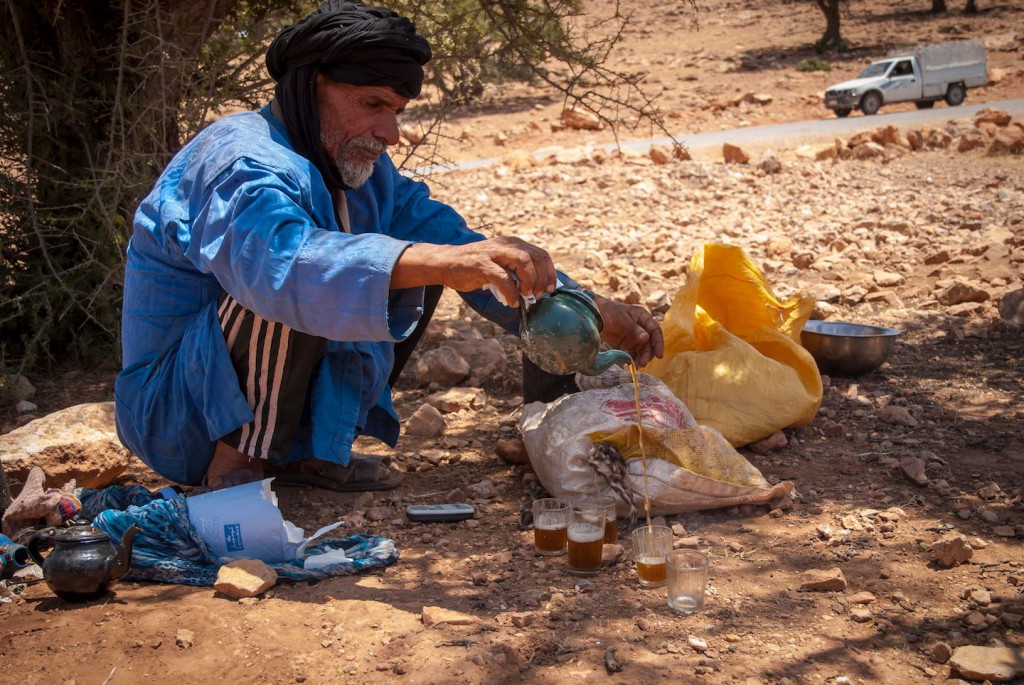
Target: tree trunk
[
  {"x": 938, "y": 6},
  {"x": 5, "y": 491},
  {"x": 92, "y": 92},
  {"x": 971, "y": 7},
  {"x": 831, "y": 37}
]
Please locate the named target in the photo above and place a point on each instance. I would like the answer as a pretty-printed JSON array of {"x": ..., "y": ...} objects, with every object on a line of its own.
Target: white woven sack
[{"x": 557, "y": 437}]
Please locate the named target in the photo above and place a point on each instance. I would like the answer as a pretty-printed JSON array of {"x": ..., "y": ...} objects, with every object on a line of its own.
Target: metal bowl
[{"x": 848, "y": 349}]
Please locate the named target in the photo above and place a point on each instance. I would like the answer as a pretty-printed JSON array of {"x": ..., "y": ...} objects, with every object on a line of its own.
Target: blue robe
[{"x": 238, "y": 210}]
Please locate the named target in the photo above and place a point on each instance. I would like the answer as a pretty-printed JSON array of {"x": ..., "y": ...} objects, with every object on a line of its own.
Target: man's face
[{"x": 357, "y": 123}]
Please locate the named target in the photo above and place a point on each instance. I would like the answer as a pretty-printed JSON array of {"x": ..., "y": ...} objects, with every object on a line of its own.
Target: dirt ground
[{"x": 880, "y": 241}]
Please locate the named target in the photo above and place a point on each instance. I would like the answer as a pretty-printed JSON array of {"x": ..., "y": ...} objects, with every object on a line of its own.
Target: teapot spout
[
  {"x": 123, "y": 559},
  {"x": 604, "y": 360}
]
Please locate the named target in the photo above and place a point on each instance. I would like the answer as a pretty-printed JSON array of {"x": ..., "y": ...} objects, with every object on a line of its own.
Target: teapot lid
[
  {"x": 81, "y": 534},
  {"x": 586, "y": 297}
]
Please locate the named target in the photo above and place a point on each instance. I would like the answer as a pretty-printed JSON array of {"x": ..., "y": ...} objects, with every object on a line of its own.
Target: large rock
[
  {"x": 998, "y": 117},
  {"x": 79, "y": 442},
  {"x": 994, "y": 664},
  {"x": 1008, "y": 141}
]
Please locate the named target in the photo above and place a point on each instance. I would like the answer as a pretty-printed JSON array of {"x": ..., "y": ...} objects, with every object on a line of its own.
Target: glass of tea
[
  {"x": 550, "y": 522},
  {"x": 586, "y": 539},
  {"x": 650, "y": 546},
  {"x": 611, "y": 525}
]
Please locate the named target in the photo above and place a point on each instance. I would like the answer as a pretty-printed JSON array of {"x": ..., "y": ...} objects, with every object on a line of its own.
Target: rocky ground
[{"x": 904, "y": 473}]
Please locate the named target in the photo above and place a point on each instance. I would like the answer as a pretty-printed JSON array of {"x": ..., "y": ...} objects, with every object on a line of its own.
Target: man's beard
[{"x": 355, "y": 170}]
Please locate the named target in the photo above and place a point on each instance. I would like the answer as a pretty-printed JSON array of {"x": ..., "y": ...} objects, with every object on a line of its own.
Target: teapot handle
[{"x": 41, "y": 539}]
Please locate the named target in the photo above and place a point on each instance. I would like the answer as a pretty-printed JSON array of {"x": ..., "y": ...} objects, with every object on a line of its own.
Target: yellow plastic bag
[{"x": 732, "y": 350}]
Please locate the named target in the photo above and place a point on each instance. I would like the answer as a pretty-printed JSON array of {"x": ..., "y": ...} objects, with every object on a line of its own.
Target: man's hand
[
  {"x": 472, "y": 266},
  {"x": 631, "y": 328}
]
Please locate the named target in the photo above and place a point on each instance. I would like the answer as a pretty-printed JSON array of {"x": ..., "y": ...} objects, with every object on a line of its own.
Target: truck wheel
[
  {"x": 843, "y": 112},
  {"x": 925, "y": 104},
  {"x": 870, "y": 103},
  {"x": 955, "y": 94}
]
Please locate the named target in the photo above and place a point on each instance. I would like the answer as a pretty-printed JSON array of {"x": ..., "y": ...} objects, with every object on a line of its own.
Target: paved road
[
  {"x": 827, "y": 128},
  {"x": 831, "y": 126}
]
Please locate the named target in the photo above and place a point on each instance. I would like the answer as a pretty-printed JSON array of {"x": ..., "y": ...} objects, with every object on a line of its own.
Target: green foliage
[
  {"x": 96, "y": 96},
  {"x": 813, "y": 64},
  {"x": 824, "y": 45}
]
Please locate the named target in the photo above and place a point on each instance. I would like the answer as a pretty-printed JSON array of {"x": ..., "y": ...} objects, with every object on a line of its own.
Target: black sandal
[{"x": 362, "y": 474}]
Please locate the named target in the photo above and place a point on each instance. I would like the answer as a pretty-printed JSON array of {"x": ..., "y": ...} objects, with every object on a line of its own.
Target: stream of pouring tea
[{"x": 643, "y": 454}]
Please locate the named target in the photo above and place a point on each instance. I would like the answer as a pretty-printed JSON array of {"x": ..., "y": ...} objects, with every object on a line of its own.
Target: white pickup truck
[{"x": 923, "y": 75}]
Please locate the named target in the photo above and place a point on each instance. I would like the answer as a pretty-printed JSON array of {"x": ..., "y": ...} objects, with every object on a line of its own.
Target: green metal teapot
[{"x": 562, "y": 334}]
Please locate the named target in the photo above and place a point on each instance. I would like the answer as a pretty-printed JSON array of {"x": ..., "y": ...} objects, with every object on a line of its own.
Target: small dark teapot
[
  {"x": 562, "y": 334},
  {"x": 84, "y": 562}
]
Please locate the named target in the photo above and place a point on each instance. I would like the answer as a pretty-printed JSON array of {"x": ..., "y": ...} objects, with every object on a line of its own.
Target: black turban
[{"x": 350, "y": 43}]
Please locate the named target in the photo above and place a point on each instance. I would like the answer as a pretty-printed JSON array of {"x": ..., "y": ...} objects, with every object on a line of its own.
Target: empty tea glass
[{"x": 687, "y": 578}]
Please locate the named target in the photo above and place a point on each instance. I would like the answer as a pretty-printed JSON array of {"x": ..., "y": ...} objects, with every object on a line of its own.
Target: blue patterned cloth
[
  {"x": 169, "y": 550},
  {"x": 113, "y": 497}
]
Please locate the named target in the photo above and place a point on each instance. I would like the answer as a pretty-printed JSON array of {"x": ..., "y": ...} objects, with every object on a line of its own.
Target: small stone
[
  {"x": 581, "y": 119},
  {"x": 244, "y": 578},
  {"x": 860, "y": 614},
  {"x": 940, "y": 652},
  {"x": 775, "y": 441},
  {"x": 377, "y": 513},
  {"x": 23, "y": 389},
  {"x": 432, "y": 616},
  {"x": 611, "y": 554},
  {"x": 897, "y": 416},
  {"x": 862, "y": 598},
  {"x": 425, "y": 422},
  {"x": 25, "y": 407},
  {"x": 820, "y": 580},
  {"x": 961, "y": 292},
  {"x": 1004, "y": 532},
  {"x": 1011, "y": 307},
  {"x": 483, "y": 490},
  {"x": 914, "y": 469},
  {"x": 980, "y": 596},
  {"x": 952, "y": 549},
  {"x": 512, "y": 451},
  {"x": 442, "y": 365},
  {"x": 185, "y": 638},
  {"x": 480, "y": 578},
  {"x": 733, "y": 154},
  {"x": 990, "y": 491},
  {"x": 697, "y": 644},
  {"x": 612, "y": 663},
  {"x": 454, "y": 399},
  {"x": 691, "y": 542},
  {"x": 522, "y": 619}
]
